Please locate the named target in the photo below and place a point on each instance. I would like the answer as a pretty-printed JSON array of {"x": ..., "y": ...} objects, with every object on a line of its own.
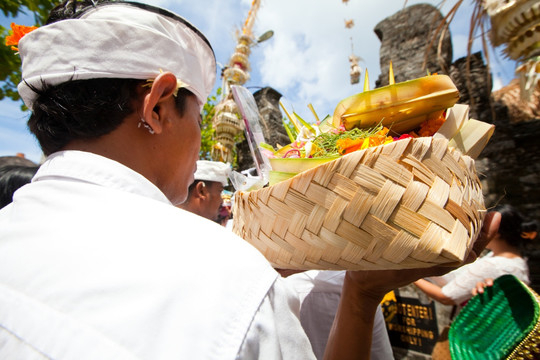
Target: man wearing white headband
[
  {"x": 95, "y": 261},
  {"x": 204, "y": 194}
]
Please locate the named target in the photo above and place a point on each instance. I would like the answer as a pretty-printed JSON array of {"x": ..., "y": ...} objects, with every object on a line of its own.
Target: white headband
[
  {"x": 116, "y": 41},
  {"x": 212, "y": 171}
]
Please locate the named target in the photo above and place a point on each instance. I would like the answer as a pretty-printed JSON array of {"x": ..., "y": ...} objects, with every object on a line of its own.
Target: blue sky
[{"x": 306, "y": 60}]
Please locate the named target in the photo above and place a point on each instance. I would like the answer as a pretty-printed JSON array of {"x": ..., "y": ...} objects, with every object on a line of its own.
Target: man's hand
[
  {"x": 286, "y": 272},
  {"x": 376, "y": 283},
  {"x": 350, "y": 337}
]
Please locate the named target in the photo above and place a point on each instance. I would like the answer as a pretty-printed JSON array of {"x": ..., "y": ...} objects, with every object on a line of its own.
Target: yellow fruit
[{"x": 401, "y": 107}]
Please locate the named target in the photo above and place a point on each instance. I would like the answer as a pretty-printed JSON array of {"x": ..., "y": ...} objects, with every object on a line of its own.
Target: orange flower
[
  {"x": 376, "y": 140},
  {"x": 347, "y": 145},
  {"x": 431, "y": 126},
  {"x": 18, "y": 32}
]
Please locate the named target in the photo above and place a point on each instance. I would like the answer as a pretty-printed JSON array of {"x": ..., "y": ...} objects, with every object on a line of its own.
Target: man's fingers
[
  {"x": 489, "y": 230},
  {"x": 379, "y": 282}
]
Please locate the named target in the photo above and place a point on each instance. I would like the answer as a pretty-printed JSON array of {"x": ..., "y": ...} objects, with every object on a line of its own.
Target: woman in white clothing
[{"x": 505, "y": 257}]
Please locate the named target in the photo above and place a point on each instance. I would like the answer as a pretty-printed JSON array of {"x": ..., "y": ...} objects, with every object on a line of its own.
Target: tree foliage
[
  {"x": 207, "y": 130},
  {"x": 10, "y": 71}
]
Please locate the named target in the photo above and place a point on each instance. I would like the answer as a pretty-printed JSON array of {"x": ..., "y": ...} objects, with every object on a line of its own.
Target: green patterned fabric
[{"x": 494, "y": 323}]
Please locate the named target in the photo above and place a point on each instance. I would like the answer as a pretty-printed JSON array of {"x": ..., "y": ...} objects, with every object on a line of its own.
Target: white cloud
[{"x": 307, "y": 61}]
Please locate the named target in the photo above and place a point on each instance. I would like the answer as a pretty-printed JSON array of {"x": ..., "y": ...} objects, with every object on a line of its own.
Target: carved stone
[
  {"x": 510, "y": 164},
  {"x": 268, "y": 102},
  {"x": 405, "y": 37},
  {"x": 474, "y": 85}
]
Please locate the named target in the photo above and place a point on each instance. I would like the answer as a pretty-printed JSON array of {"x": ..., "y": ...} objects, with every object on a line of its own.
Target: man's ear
[
  {"x": 163, "y": 88},
  {"x": 201, "y": 190}
]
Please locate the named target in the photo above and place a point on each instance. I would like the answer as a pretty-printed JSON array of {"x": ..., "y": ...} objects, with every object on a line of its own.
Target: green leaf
[
  {"x": 308, "y": 126},
  {"x": 207, "y": 130},
  {"x": 289, "y": 131},
  {"x": 10, "y": 71},
  {"x": 267, "y": 146}
]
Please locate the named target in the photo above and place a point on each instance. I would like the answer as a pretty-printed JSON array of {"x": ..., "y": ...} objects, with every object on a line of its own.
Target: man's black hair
[
  {"x": 84, "y": 109},
  {"x": 12, "y": 177}
]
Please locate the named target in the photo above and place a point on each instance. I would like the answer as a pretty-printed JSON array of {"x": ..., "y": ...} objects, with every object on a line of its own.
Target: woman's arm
[{"x": 433, "y": 291}]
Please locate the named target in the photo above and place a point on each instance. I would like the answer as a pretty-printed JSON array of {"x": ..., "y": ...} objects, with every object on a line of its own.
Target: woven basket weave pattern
[{"x": 411, "y": 203}]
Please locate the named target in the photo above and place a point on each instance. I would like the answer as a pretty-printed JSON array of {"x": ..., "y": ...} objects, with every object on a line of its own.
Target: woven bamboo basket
[{"x": 408, "y": 204}]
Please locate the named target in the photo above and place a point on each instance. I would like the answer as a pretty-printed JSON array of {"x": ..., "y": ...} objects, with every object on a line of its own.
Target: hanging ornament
[
  {"x": 227, "y": 121},
  {"x": 227, "y": 125},
  {"x": 356, "y": 70},
  {"x": 516, "y": 25}
]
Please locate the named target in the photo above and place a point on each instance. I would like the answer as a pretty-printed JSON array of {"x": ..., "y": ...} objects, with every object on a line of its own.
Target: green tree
[
  {"x": 10, "y": 71},
  {"x": 207, "y": 130}
]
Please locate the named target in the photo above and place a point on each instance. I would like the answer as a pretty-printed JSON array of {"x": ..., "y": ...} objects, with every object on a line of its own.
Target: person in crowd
[
  {"x": 15, "y": 171},
  {"x": 505, "y": 257},
  {"x": 224, "y": 213},
  {"x": 15, "y": 160},
  {"x": 319, "y": 293},
  {"x": 204, "y": 194},
  {"x": 12, "y": 177},
  {"x": 96, "y": 260}
]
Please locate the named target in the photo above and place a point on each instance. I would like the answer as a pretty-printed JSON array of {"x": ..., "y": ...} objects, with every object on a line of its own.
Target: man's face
[
  {"x": 213, "y": 201},
  {"x": 182, "y": 151}
]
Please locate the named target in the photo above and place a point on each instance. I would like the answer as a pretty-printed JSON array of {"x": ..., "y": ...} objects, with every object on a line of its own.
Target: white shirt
[
  {"x": 459, "y": 283},
  {"x": 319, "y": 293},
  {"x": 95, "y": 263}
]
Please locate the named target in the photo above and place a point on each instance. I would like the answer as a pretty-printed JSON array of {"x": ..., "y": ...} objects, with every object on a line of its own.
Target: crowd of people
[{"x": 108, "y": 253}]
